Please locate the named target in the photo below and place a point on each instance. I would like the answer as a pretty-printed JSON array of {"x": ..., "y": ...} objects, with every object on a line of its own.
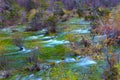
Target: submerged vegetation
[{"x": 59, "y": 40}]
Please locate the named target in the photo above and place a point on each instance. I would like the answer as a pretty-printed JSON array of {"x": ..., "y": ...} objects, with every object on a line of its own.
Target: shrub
[
  {"x": 116, "y": 18},
  {"x": 58, "y": 8},
  {"x": 10, "y": 13},
  {"x": 36, "y": 22},
  {"x": 51, "y": 24},
  {"x": 18, "y": 40},
  {"x": 4, "y": 62},
  {"x": 56, "y": 73},
  {"x": 80, "y": 12},
  {"x": 113, "y": 69}
]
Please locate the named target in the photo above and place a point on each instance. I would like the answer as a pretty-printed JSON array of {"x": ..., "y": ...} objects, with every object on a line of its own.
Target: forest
[{"x": 59, "y": 39}]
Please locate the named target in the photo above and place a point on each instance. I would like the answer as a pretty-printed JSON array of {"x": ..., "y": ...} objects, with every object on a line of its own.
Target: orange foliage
[
  {"x": 110, "y": 22},
  {"x": 116, "y": 17}
]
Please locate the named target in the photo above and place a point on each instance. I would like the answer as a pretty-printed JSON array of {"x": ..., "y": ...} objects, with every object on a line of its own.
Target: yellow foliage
[
  {"x": 118, "y": 36},
  {"x": 68, "y": 12},
  {"x": 3, "y": 44},
  {"x": 100, "y": 8},
  {"x": 32, "y": 13},
  {"x": 110, "y": 14},
  {"x": 77, "y": 51},
  {"x": 76, "y": 15},
  {"x": 116, "y": 12},
  {"x": 71, "y": 13},
  {"x": 52, "y": 63},
  {"x": 1, "y": 48},
  {"x": 116, "y": 17},
  {"x": 98, "y": 46},
  {"x": 118, "y": 68}
]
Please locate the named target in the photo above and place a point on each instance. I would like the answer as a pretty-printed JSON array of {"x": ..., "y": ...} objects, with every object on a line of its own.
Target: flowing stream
[{"x": 51, "y": 41}]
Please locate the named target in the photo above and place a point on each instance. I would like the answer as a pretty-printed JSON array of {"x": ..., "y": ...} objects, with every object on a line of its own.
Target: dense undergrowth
[{"x": 59, "y": 40}]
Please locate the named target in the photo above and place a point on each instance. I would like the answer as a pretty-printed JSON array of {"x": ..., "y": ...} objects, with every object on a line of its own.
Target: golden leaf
[{"x": 32, "y": 13}]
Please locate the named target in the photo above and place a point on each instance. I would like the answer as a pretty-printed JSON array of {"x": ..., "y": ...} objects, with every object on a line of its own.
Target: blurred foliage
[
  {"x": 3, "y": 45},
  {"x": 113, "y": 70},
  {"x": 18, "y": 40},
  {"x": 31, "y": 14},
  {"x": 60, "y": 72},
  {"x": 58, "y": 8},
  {"x": 116, "y": 17},
  {"x": 36, "y": 14},
  {"x": 80, "y": 12}
]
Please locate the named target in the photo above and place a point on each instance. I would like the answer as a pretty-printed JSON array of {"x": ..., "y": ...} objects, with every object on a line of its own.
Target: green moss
[
  {"x": 53, "y": 53},
  {"x": 61, "y": 72}
]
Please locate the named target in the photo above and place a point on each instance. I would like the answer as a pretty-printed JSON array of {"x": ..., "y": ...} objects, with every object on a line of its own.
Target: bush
[
  {"x": 10, "y": 13},
  {"x": 58, "y": 9},
  {"x": 113, "y": 68},
  {"x": 56, "y": 73},
  {"x": 51, "y": 24},
  {"x": 116, "y": 17},
  {"x": 18, "y": 40},
  {"x": 80, "y": 12}
]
